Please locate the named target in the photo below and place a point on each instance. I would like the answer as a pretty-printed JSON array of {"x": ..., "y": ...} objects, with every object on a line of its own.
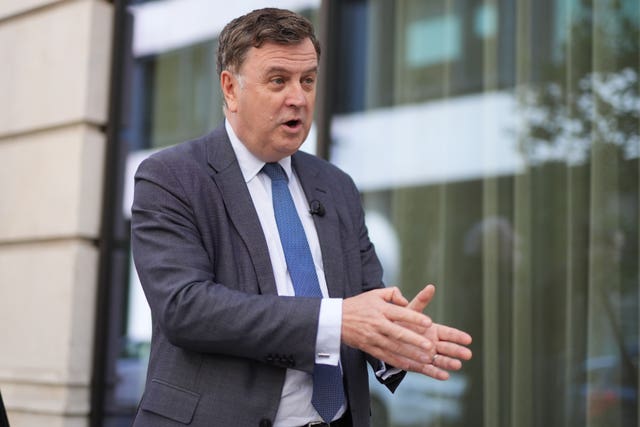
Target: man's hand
[
  {"x": 383, "y": 323},
  {"x": 450, "y": 343}
]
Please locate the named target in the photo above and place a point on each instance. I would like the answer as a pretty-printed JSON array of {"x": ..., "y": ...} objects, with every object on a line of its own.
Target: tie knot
[{"x": 275, "y": 172}]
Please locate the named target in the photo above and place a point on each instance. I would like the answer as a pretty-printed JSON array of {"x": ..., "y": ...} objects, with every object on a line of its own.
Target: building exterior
[
  {"x": 496, "y": 144},
  {"x": 56, "y": 59}
]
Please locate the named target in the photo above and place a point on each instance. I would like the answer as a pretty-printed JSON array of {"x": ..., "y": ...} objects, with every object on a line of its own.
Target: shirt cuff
[
  {"x": 384, "y": 373},
  {"x": 329, "y": 330}
]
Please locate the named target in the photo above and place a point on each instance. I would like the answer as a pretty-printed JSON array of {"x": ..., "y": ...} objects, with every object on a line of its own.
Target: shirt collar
[{"x": 250, "y": 165}]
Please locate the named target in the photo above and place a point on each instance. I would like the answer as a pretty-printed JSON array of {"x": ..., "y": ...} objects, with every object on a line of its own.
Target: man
[{"x": 265, "y": 310}]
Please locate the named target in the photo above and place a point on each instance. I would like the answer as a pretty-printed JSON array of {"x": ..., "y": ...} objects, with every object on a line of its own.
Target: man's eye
[{"x": 277, "y": 80}]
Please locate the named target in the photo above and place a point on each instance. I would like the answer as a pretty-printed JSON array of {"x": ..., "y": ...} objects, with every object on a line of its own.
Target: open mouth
[{"x": 293, "y": 123}]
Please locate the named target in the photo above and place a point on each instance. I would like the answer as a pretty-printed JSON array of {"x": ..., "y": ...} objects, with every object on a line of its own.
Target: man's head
[{"x": 268, "y": 63}]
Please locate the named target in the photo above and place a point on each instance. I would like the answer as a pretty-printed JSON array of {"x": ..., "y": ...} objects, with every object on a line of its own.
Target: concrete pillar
[{"x": 54, "y": 83}]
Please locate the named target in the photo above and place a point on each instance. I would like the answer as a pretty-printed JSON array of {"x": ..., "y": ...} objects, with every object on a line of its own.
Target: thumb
[{"x": 424, "y": 297}]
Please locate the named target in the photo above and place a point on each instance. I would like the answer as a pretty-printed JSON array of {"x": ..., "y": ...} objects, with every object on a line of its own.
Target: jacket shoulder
[
  {"x": 192, "y": 150},
  {"x": 327, "y": 169}
]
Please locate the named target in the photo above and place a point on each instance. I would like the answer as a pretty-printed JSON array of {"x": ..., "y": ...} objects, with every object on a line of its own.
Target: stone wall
[{"x": 54, "y": 83}]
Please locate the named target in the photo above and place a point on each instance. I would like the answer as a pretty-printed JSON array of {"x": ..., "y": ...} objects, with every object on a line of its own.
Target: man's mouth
[{"x": 293, "y": 123}]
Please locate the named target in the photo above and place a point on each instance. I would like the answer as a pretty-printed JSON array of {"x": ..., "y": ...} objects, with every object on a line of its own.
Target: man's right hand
[{"x": 381, "y": 323}]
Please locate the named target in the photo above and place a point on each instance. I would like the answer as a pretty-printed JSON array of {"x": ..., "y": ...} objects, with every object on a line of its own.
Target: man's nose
[{"x": 296, "y": 95}]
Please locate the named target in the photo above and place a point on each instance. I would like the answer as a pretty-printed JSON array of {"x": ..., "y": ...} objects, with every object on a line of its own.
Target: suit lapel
[
  {"x": 327, "y": 226},
  {"x": 225, "y": 172}
]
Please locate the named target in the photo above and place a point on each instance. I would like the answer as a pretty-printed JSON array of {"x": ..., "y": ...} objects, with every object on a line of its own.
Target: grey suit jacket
[{"x": 222, "y": 337}]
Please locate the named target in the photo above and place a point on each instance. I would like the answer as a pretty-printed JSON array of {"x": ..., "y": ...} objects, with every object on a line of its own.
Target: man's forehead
[
  {"x": 273, "y": 56},
  {"x": 303, "y": 49}
]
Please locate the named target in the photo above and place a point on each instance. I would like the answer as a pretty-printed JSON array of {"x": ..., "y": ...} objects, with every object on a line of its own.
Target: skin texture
[{"x": 270, "y": 103}]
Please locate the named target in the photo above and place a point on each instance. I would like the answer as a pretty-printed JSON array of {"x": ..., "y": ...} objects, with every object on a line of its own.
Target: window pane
[{"x": 496, "y": 145}]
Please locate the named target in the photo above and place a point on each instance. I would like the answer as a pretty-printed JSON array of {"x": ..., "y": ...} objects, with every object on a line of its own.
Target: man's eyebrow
[{"x": 276, "y": 70}]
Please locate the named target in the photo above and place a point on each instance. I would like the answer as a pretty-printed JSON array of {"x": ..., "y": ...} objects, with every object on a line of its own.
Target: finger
[
  {"x": 412, "y": 358},
  {"x": 422, "y": 300},
  {"x": 447, "y": 333},
  {"x": 434, "y": 371},
  {"x": 415, "y": 328},
  {"x": 408, "y": 316},
  {"x": 446, "y": 363},
  {"x": 438, "y": 366},
  {"x": 394, "y": 296},
  {"x": 453, "y": 350},
  {"x": 402, "y": 356},
  {"x": 399, "y": 335}
]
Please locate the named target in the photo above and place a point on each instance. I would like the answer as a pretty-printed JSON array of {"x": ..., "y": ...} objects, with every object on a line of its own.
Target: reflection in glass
[{"x": 498, "y": 142}]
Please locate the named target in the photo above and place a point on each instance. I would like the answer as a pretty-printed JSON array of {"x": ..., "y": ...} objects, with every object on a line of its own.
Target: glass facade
[{"x": 496, "y": 145}]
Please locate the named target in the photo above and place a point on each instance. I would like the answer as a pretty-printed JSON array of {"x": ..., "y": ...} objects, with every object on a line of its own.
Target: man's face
[{"x": 270, "y": 100}]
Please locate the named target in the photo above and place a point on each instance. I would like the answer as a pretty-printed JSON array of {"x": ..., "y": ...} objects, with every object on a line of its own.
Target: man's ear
[{"x": 229, "y": 85}]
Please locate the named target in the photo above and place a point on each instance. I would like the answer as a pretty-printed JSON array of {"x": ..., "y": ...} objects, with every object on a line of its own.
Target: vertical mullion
[
  {"x": 604, "y": 271},
  {"x": 573, "y": 320},
  {"x": 324, "y": 102},
  {"x": 492, "y": 392},
  {"x": 521, "y": 369}
]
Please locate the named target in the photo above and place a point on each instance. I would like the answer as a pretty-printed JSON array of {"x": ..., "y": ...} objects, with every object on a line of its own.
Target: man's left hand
[{"x": 451, "y": 343}]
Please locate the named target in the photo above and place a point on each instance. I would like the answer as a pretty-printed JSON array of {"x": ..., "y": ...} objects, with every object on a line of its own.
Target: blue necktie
[{"x": 328, "y": 391}]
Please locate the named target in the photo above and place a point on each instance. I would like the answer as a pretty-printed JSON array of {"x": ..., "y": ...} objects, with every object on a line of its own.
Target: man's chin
[{"x": 284, "y": 150}]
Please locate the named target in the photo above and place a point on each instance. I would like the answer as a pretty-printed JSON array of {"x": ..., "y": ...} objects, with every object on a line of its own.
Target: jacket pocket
[{"x": 170, "y": 401}]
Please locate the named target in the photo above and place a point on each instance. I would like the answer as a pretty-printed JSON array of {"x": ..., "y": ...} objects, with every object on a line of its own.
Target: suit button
[{"x": 265, "y": 422}]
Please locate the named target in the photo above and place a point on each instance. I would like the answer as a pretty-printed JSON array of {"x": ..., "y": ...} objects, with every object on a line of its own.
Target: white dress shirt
[{"x": 295, "y": 405}]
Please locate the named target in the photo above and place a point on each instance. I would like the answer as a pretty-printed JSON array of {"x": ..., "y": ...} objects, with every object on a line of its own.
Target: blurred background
[{"x": 496, "y": 144}]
